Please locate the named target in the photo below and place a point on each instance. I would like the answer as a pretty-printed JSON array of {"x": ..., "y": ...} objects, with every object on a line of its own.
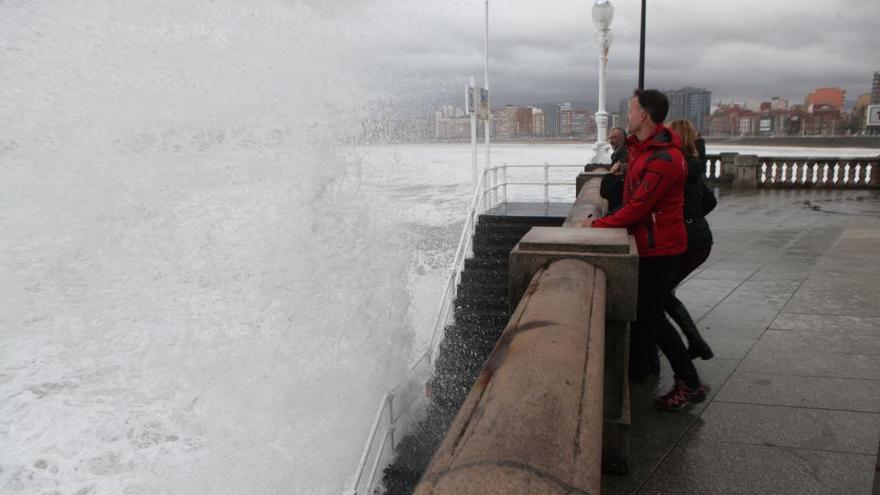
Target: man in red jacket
[{"x": 652, "y": 211}]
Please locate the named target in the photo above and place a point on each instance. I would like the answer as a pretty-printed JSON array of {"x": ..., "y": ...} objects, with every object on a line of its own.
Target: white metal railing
[
  {"x": 395, "y": 404},
  {"x": 491, "y": 191}
]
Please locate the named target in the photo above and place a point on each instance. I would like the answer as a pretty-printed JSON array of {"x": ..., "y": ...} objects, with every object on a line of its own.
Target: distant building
[
  {"x": 692, "y": 104},
  {"x": 551, "y": 119},
  {"x": 833, "y": 97},
  {"x": 733, "y": 120},
  {"x": 566, "y": 117},
  {"x": 580, "y": 123},
  {"x": 450, "y": 123},
  {"x": 537, "y": 122},
  {"x": 514, "y": 122},
  {"x": 875, "y": 89},
  {"x": 857, "y": 120},
  {"x": 778, "y": 103},
  {"x": 826, "y": 121}
]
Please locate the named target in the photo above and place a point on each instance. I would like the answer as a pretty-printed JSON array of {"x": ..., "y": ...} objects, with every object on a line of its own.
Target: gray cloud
[{"x": 545, "y": 51}]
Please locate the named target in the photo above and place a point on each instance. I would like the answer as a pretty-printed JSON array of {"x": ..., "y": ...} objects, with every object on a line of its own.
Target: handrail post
[
  {"x": 391, "y": 419},
  {"x": 504, "y": 178},
  {"x": 494, "y": 186},
  {"x": 546, "y": 183}
]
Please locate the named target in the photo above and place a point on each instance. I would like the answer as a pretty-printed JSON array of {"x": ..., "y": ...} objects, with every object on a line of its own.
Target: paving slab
[
  {"x": 846, "y": 324},
  {"x": 784, "y": 341},
  {"x": 787, "y": 390},
  {"x": 788, "y": 300},
  {"x": 712, "y": 327},
  {"x": 729, "y": 468},
  {"x": 767, "y": 359},
  {"x": 836, "y": 293},
  {"x": 816, "y": 429},
  {"x": 703, "y": 295}
]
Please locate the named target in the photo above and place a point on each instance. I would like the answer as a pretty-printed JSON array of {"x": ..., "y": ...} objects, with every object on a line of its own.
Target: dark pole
[{"x": 642, "y": 51}]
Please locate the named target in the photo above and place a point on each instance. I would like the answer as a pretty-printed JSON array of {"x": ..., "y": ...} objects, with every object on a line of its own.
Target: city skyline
[{"x": 546, "y": 53}]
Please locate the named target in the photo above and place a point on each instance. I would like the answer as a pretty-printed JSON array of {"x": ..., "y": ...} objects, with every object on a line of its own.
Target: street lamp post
[{"x": 603, "y": 13}]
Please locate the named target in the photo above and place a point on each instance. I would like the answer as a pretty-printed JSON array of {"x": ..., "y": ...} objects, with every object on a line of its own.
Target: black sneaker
[{"x": 680, "y": 396}]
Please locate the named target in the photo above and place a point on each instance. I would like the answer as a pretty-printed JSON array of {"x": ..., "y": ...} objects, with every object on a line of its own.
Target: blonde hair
[{"x": 688, "y": 133}]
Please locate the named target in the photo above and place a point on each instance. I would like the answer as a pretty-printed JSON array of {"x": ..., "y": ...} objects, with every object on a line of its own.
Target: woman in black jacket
[{"x": 698, "y": 202}]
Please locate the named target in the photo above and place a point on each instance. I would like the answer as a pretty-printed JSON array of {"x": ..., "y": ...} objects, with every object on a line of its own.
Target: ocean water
[{"x": 200, "y": 293}]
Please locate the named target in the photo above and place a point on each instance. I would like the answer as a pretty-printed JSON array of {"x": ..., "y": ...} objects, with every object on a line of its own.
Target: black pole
[{"x": 642, "y": 51}]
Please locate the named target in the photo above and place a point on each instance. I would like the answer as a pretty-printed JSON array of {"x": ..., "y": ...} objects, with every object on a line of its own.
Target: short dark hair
[
  {"x": 654, "y": 102},
  {"x": 621, "y": 129}
]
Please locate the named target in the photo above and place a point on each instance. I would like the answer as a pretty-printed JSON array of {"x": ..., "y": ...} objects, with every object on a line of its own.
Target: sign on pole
[
  {"x": 873, "y": 114},
  {"x": 477, "y": 103},
  {"x": 483, "y": 109}
]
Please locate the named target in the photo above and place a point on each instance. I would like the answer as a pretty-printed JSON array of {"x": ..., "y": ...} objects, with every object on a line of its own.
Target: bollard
[
  {"x": 728, "y": 163},
  {"x": 745, "y": 170}
]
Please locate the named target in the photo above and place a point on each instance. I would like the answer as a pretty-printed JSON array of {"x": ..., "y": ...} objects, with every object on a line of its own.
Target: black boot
[{"x": 697, "y": 347}]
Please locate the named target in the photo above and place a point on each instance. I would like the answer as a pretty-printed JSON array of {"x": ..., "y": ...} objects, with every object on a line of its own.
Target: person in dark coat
[
  {"x": 701, "y": 148},
  {"x": 611, "y": 187},
  {"x": 698, "y": 202}
]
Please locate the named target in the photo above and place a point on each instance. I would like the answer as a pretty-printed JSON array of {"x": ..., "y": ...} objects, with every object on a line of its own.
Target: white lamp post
[{"x": 603, "y": 13}]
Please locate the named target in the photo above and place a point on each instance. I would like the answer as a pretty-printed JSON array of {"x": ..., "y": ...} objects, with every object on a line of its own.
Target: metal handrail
[
  {"x": 464, "y": 245},
  {"x": 480, "y": 202}
]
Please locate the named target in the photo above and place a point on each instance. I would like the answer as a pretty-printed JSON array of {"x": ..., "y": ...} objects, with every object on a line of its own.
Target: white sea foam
[{"x": 199, "y": 295}]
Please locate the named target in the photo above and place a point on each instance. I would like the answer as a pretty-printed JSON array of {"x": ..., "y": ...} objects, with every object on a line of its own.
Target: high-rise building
[
  {"x": 875, "y": 88},
  {"x": 833, "y": 97},
  {"x": 580, "y": 122},
  {"x": 551, "y": 119},
  {"x": 514, "y": 122},
  {"x": 537, "y": 122},
  {"x": 566, "y": 118},
  {"x": 692, "y": 104},
  {"x": 778, "y": 103}
]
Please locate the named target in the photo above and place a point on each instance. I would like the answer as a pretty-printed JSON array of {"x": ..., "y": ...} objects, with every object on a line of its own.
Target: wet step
[
  {"x": 492, "y": 250},
  {"x": 486, "y": 263},
  {"x": 481, "y": 276},
  {"x": 467, "y": 290},
  {"x": 502, "y": 238},
  {"x": 483, "y": 300}
]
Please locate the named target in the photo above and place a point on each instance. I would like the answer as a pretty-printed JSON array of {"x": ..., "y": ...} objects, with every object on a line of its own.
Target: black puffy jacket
[{"x": 698, "y": 202}]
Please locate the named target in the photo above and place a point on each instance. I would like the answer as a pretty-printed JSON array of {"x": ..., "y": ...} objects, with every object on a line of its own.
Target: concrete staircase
[{"x": 482, "y": 310}]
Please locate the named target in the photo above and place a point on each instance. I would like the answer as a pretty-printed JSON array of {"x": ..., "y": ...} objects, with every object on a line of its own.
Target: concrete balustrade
[
  {"x": 548, "y": 408},
  {"x": 746, "y": 171},
  {"x": 532, "y": 423}
]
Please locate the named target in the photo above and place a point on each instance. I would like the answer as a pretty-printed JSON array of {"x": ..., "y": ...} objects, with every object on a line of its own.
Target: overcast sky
[{"x": 545, "y": 51}]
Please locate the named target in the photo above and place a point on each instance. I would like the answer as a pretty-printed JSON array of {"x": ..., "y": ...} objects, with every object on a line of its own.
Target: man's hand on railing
[{"x": 588, "y": 222}]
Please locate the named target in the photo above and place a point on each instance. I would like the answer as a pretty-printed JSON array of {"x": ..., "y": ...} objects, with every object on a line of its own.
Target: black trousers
[
  {"x": 656, "y": 277},
  {"x": 690, "y": 261}
]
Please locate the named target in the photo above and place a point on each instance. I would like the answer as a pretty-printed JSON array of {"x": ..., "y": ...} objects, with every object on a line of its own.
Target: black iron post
[{"x": 642, "y": 50}]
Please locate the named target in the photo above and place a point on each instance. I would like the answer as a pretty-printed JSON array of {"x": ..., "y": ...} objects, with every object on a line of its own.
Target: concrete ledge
[
  {"x": 532, "y": 423},
  {"x": 612, "y": 250}
]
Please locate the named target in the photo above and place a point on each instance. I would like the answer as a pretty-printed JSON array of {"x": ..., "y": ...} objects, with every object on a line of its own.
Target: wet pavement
[{"x": 790, "y": 303}]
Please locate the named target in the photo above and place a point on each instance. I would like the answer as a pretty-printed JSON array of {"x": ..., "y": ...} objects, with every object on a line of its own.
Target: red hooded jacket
[{"x": 653, "y": 195}]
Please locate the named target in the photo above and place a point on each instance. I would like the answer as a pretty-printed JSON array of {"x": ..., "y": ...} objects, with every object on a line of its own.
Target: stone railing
[
  {"x": 550, "y": 408},
  {"x": 793, "y": 172}
]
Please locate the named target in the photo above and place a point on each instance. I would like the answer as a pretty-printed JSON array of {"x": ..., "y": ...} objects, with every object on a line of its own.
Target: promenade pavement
[{"x": 790, "y": 303}]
